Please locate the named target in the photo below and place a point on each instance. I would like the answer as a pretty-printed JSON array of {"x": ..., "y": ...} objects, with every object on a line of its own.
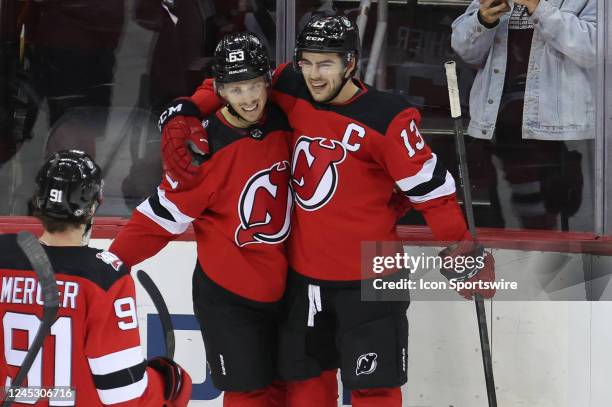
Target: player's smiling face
[
  {"x": 323, "y": 73},
  {"x": 248, "y": 98}
]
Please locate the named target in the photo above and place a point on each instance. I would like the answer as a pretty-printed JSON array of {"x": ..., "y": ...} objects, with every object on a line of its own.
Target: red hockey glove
[
  {"x": 177, "y": 389},
  {"x": 467, "y": 265},
  {"x": 184, "y": 145}
]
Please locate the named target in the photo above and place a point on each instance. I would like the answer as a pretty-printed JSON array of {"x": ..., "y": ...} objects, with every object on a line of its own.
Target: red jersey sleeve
[
  {"x": 113, "y": 350},
  {"x": 278, "y": 72},
  {"x": 206, "y": 98},
  {"x": 160, "y": 219},
  {"x": 419, "y": 175}
]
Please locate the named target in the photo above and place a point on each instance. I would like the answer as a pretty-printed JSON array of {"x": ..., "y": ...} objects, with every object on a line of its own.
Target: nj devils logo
[
  {"x": 315, "y": 173},
  {"x": 265, "y": 207},
  {"x": 366, "y": 364}
]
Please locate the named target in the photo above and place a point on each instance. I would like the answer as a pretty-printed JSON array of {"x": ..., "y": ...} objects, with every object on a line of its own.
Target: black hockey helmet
[
  {"x": 240, "y": 57},
  {"x": 328, "y": 34},
  {"x": 68, "y": 187}
]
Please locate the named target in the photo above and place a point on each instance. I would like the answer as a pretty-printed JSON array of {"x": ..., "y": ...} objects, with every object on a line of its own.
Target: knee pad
[{"x": 375, "y": 354}]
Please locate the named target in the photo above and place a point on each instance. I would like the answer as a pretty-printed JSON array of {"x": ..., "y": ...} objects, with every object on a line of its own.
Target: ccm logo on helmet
[
  {"x": 319, "y": 39},
  {"x": 265, "y": 207},
  {"x": 315, "y": 172}
]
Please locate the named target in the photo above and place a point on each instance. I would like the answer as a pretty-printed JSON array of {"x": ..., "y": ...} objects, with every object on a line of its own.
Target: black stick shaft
[
  {"x": 485, "y": 347},
  {"x": 162, "y": 310},
  {"x": 464, "y": 177},
  {"x": 46, "y": 277},
  {"x": 464, "y": 181}
]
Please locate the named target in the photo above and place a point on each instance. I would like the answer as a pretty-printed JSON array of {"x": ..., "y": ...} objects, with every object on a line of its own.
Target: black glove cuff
[
  {"x": 178, "y": 107},
  {"x": 461, "y": 271}
]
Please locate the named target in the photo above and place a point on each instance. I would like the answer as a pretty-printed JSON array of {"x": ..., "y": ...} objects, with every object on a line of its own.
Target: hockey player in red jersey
[
  {"x": 352, "y": 146},
  {"x": 241, "y": 217},
  {"x": 93, "y": 347}
]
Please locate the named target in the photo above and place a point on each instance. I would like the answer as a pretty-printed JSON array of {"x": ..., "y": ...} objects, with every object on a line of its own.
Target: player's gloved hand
[
  {"x": 177, "y": 390},
  {"x": 184, "y": 145},
  {"x": 467, "y": 262}
]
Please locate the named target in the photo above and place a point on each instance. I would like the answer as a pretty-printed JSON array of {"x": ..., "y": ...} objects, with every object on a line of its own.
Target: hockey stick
[
  {"x": 46, "y": 277},
  {"x": 378, "y": 43},
  {"x": 162, "y": 310},
  {"x": 362, "y": 18},
  {"x": 464, "y": 180}
]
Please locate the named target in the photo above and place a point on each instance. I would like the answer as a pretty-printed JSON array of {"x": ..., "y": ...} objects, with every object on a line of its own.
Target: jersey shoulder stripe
[
  {"x": 374, "y": 109},
  {"x": 98, "y": 266}
]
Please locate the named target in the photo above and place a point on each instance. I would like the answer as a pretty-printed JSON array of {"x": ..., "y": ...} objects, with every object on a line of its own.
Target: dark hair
[{"x": 52, "y": 225}]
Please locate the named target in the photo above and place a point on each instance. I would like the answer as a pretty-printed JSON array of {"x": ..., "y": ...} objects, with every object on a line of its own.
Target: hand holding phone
[{"x": 491, "y": 10}]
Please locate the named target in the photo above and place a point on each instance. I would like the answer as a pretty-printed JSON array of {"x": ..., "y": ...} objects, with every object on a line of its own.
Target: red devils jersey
[
  {"x": 93, "y": 346},
  {"x": 241, "y": 214},
  {"x": 347, "y": 159}
]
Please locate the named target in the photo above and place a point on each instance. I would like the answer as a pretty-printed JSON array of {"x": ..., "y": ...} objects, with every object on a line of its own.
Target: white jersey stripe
[
  {"x": 125, "y": 393},
  {"x": 424, "y": 175},
  {"x": 176, "y": 228},
  {"x": 174, "y": 210},
  {"x": 116, "y": 361},
  {"x": 446, "y": 189}
]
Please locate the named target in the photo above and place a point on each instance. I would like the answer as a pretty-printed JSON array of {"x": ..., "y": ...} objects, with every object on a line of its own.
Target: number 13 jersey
[{"x": 348, "y": 159}]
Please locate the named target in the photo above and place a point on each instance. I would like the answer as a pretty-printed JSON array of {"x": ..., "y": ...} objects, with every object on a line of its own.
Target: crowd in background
[{"x": 528, "y": 67}]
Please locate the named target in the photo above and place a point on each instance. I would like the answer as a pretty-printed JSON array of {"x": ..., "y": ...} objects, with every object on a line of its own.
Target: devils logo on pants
[
  {"x": 315, "y": 173},
  {"x": 366, "y": 364},
  {"x": 265, "y": 207}
]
